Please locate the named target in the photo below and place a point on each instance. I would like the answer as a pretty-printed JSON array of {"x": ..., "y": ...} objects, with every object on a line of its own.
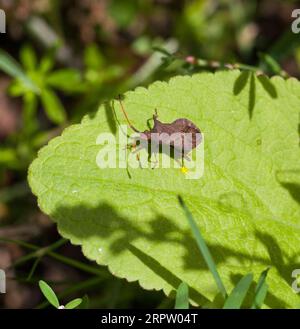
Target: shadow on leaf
[
  {"x": 121, "y": 235},
  {"x": 165, "y": 274},
  {"x": 284, "y": 264},
  {"x": 110, "y": 116},
  {"x": 294, "y": 190},
  {"x": 290, "y": 180},
  {"x": 241, "y": 83}
]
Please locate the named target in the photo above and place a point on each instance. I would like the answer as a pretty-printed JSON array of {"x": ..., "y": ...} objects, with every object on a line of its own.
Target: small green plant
[
  {"x": 238, "y": 294},
  {"x": 182, "y": 297},
  {"x": 53, "y": 300},
  {"x": 37, "y": 81}
]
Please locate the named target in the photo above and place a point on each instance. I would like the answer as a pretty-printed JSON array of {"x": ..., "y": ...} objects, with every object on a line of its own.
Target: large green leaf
[{"x": 246, "y": 204}]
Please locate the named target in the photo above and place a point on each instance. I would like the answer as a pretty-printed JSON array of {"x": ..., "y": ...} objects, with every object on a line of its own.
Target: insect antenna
[{"x": 126, "y": 117}]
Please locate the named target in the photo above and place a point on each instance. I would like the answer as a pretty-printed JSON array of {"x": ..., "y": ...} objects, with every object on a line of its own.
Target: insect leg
[
  {"x": 137, "y": 149},
  {"x": 139, "y": 160},
  {"x": 187, "y": 157},
  {"x": 130, "y": 147},
  {"x": 156, "y": 161}
]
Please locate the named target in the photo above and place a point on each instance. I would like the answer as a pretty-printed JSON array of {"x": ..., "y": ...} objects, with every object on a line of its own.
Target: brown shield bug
[{"x": 181, "y": 136}]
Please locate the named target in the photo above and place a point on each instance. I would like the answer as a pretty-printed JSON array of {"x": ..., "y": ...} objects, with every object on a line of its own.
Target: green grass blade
[
  {"x": 73, "y": 304},
  {"x": 260, "y": 290},
  {"x": 85, "y": 302},
  {"x": 66, "y": 260},
  {"x": 260, "y": 296},
  {"x": 49, "y": 293},
  {"x": 84, "y": 286},
  {"x": 33, "y": 268},
  {"x": 203, "y": 248},
  {"x": 272, "y": 64},
  {"x": 39, "y": 253},
  {"x": 239, "y": 292},
  {"x": 12, "y": 68},
  {"x": 182, "y": 297}
]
